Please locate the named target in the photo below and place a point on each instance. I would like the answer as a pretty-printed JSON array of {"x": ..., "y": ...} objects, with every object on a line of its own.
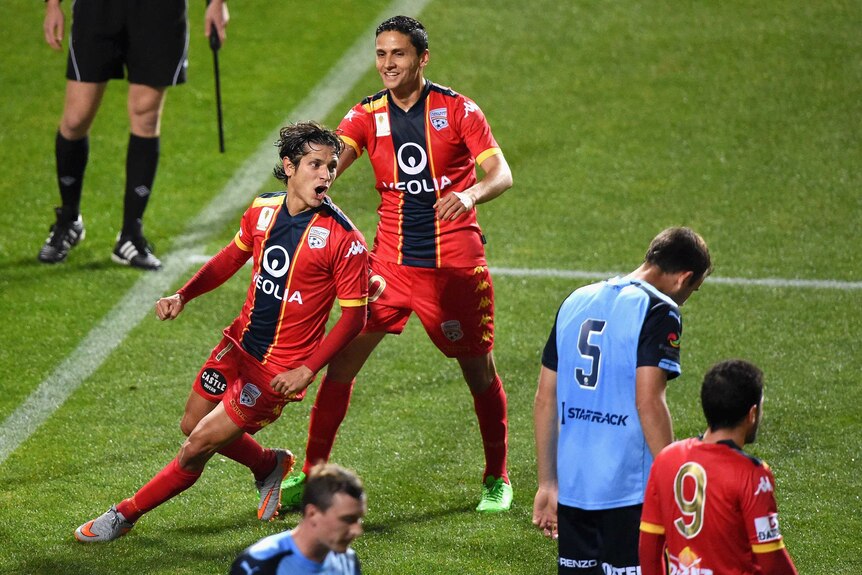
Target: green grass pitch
[{"x": 738, "y": 118}]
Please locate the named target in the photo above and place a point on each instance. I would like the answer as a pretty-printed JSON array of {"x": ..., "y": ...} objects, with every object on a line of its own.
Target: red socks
[
  {"x": 169, "y": 482},
  {"x": 247, "y": 451},
  {"x": 330, "y": 407},
  {"x": 491, "y": 407}
]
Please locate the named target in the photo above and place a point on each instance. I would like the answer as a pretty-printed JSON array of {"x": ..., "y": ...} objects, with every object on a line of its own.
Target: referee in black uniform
[{"x": 147, "y": 42}]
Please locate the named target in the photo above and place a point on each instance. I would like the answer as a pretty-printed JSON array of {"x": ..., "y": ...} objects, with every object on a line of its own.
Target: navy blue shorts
[
  {"x": 590, "y": 539},
  {"x": 147, "y": 40}
]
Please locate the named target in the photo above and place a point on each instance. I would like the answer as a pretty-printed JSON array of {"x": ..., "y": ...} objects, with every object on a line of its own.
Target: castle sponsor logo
[{"x": 213, "y": 381}]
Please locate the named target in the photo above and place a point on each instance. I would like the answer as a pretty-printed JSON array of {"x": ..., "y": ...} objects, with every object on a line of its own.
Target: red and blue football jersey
[
  {"x": 301, "y": 265},
  {"x": 418, "y": 156},
  {"x": 715, "y": 505}
]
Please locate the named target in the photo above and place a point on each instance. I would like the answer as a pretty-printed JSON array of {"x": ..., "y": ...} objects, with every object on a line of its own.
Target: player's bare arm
[
  {"x": 169, "y": 307},
  {"x": 54, "y": 24},
  {"x": 545, "y": 422},
  {"x": 650, "y": 387},
  {"x": 497, "y": 179},
  {"x": 345, "y": 160}
]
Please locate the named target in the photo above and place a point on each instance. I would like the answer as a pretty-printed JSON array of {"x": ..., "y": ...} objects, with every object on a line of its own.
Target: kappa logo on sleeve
[
  {"x": 470, "y": 107},
  {"x": 356, "y": 248},
  {"x": 767, "y": 528},
  {"x": 765, "y": 486}
]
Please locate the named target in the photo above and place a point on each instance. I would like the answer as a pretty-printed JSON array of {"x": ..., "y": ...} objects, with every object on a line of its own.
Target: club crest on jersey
[
  {"x": 249, "y": 394},
  {"x": 264, "y": 218},
  {"x": 439, "y": 118},
  {"x": 452, "y": 330},
  {"x": 317, "y": 237},
  {"x": 381, "y": 119}
]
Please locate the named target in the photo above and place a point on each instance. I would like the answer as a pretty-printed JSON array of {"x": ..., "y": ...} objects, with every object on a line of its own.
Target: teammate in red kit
[
  {"x": 424, "y": 142},
  {"x": 306, "y": 254},
  {"x": 709, "y": 504}
]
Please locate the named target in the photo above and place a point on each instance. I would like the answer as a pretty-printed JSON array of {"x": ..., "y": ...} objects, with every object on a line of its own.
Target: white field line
[
  {"x": 110, "y": 332},
  {"x": 756, "y": 282},
  {"x": 592, "y": 275}
]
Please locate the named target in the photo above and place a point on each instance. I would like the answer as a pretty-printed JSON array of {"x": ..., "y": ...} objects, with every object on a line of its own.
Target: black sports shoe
[
  {"x": 63, "y": 236},
  {"x": 135, "y": 251}
]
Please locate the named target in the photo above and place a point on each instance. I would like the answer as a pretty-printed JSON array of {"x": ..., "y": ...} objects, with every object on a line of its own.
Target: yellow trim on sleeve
[
  {"x": 353, "y": 302},
  {"x": 240, "y": 244},
  {"x": 768, "y": 547},
  {"x": 350, "y": 142},
  {"x": 652, "y": 528},
  {"x": 487, "y": 154}
]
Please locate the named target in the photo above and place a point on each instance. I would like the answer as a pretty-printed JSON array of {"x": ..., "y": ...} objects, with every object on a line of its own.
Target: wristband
[{"x": 466, "y": 199}]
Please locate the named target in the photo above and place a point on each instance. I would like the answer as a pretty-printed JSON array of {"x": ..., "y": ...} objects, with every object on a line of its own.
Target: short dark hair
[
  {"x": 729, "y": 390},
  {"x": 294, "y": 142},
  {"x": 325, "y": 480},
  {"x": 680, "y": 250},
  {"x": 409, "y": 27}
]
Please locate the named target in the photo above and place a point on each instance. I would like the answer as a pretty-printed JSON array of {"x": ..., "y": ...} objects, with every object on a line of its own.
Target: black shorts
[
  {"x": 150, "y": 38},
  {"x": 590, "y": 539}
]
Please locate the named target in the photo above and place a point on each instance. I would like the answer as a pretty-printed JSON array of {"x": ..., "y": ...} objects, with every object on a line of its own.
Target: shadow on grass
[{"x": 390, "y": 525}]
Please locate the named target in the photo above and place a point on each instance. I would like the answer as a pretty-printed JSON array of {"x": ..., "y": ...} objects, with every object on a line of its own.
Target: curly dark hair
[
  {"x": 409, "y": 27},
  {"x": 295, "y": 140}
]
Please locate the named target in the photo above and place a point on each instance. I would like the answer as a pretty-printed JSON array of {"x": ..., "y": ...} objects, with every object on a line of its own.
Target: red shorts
[
  {"x": 233, "y": 377},
  {"x": 455, "y": 305}
]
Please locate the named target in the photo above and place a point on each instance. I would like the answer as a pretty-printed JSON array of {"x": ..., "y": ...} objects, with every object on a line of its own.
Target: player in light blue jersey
[
  {"x": 600, "y": 411},
  {"x": 333, "y": 506}
]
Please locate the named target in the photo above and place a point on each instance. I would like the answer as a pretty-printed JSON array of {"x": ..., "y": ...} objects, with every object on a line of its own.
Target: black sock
[
  {"x": 142, "y": 159},
  {"x": 72, "y": 158}
]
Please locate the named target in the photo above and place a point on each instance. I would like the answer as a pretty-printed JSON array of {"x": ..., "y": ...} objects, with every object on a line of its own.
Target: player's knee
[
  {"x": 75, "y": 126},
  {"x": 187, "y": 425}
]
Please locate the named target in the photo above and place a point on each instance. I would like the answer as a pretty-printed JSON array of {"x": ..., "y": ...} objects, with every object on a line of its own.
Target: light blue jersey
[
  {"x": 278, "y": 555},
  {"x": 602, "y": 334}
]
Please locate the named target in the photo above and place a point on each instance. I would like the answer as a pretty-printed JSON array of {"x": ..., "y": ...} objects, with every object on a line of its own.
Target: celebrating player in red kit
[
  {"x": 424, "y": 142},
  {"x": 306, "y": 254}
]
